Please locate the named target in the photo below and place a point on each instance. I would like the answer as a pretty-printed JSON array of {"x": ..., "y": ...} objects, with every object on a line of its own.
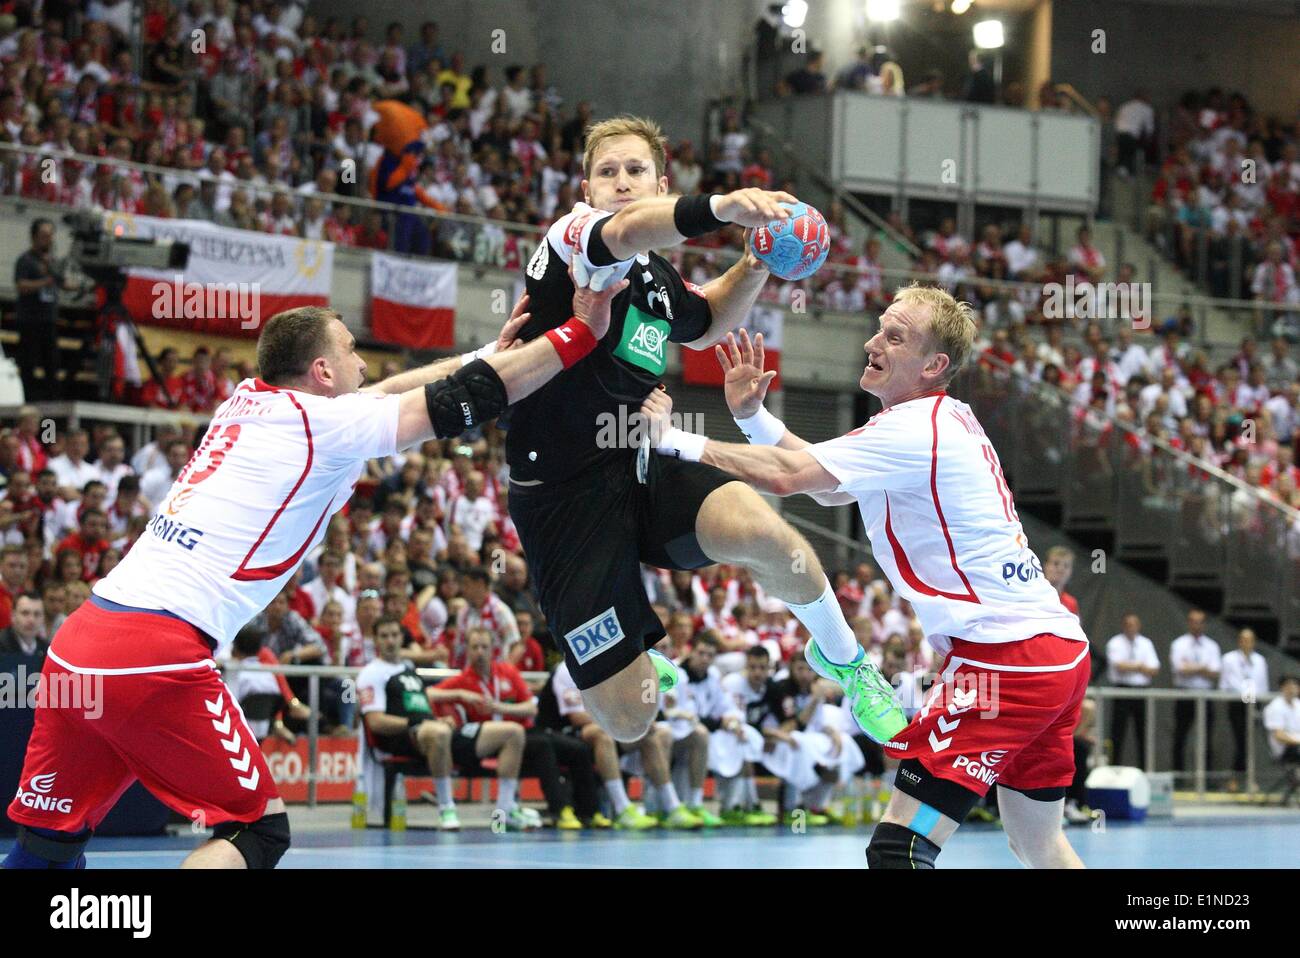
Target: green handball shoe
[
  {"x": 666, "y": 668},
  {"x": 868, "y": 693}
]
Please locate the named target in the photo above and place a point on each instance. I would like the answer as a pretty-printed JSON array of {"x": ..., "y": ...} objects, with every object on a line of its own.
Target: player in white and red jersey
[
  {"x": 280, "y": 457},
  {"x": 944, "y": 529}
]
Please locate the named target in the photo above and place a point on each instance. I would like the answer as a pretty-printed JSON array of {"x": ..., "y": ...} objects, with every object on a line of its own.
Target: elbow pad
[{"x": 469, "y": 397}]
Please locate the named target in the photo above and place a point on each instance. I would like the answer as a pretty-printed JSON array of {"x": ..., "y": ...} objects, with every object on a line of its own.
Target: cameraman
[{"x": 38, "y": 280}]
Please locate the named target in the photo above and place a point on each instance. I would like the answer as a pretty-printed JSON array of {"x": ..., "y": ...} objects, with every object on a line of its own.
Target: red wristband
[{"x": 572, "y": 341}]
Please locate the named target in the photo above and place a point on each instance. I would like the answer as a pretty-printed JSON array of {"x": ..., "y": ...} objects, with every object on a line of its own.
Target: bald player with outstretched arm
[{"x": 280, "y": 456}]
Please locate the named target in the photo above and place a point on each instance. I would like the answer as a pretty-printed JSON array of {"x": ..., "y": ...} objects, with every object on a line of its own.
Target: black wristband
[{"x": 693, "y": 216}]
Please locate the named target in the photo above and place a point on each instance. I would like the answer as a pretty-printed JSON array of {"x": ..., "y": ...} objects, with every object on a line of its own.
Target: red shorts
[
  {"x": 136, "y": 695},
  {"x": 1009, "y": 719}
]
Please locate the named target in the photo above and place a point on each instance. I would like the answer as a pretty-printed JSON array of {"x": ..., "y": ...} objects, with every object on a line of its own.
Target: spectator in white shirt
[
  {"x": 1131, "y": 661},
  {"x": 484, "y": 609},
  {"x": 154, "y": 454},
  {"x": 1274, "y": 280},
  {"x": 1130, "y": 358},
  {"x": 1280, "y": 370},
  {"x": 1023, "y": 260},
  {"x": 1135, "y": 124},
  {"x": 111, "y": 465},
  {"x": 473, "y": 512},
  {"x": 1196, "y": 659},
  {"x": 71, "y": 469},
  {"x": 518, "y": 98},
  {"x": 158, "y": 481},
  {"x": 1282, "y": 720},
  {"x": 1245, "y": 672},
  {"x": 328, "y": 587},
  {"x": 1285, "y": 410}
]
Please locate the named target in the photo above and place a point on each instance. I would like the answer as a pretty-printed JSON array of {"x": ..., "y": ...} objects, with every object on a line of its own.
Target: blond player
[{"x": 944, "y": 530}]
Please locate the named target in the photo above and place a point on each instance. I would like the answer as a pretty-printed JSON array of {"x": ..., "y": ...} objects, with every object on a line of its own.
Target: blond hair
[
  {"x": 647, "y": 130},
  {"x": 952, "y": 323}
]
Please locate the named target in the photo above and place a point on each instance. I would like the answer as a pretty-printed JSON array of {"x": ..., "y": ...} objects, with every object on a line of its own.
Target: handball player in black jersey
[{"x": 585, "y": 517}]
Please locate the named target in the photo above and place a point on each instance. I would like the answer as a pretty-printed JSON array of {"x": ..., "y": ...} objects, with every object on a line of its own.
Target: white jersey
[
  {"x": 943, "y": 526},
  {"x": 256, "y": 495}
]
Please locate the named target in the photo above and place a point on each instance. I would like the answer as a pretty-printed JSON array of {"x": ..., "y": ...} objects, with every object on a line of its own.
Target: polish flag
[
  {"x": 412, "y": 302},
  {"x": 701, "y": 368}
]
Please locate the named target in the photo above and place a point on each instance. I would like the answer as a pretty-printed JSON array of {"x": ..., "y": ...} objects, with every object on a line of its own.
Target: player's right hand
[
  {"x": 754, "y": 207},
  {"x": 745, "y": 384},
  {"x": 592, "y": 307}
]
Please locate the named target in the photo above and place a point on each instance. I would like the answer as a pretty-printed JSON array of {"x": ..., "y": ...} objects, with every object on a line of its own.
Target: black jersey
[{"x": 566, "y": 427}]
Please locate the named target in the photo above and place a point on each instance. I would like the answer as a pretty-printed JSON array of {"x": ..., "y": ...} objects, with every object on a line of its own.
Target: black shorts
[
  {"x": 464, "y": 746},
  {"x": 585, "y": 539},
  {"x": 398, "y": 744}
]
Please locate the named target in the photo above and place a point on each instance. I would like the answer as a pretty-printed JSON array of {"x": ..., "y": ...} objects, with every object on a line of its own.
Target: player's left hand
[
  {"x": 657, "y": 410},
  {"x": 508, "y": 338}
]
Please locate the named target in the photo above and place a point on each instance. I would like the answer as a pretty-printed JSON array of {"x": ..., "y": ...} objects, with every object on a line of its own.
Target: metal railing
[
  {"x": 1155, "y": 730},
  {"x": 1209, "y": 528},
  {"x": 314, "y": 674}
]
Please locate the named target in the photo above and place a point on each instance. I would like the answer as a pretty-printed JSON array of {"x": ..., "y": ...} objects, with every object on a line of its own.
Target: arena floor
[{"x": 1197, "y": 837}]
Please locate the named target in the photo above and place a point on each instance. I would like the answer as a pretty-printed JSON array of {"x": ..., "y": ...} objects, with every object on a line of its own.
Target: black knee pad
[
  {"x": 262, "y": 843},
  {"x": 59, "y": 848},
  {"x": 472, "y": 395},
  {"x": 893, "y": 846}
]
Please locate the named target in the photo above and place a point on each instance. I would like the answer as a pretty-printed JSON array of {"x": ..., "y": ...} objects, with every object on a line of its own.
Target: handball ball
[{"x": 793, "y": 248}]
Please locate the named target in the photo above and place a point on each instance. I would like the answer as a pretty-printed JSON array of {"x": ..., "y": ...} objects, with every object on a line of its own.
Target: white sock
[
  {"x": 668, "y": 800},
  {"x": 617, "y": 795},
  {"x": 697, "y": 797},
  {"x": 506, "y": 788},
  {"x": 751, "y": 792},
  {"x": 824, "y": 620},
  {"x": 791, "y": 793},
  {"x": 443, "y": 787}
]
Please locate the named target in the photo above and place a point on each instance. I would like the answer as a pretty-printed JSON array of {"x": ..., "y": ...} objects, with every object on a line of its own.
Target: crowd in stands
[
  {"x": 1230, "y": 180},
  {"x": 272, "y": 96}
]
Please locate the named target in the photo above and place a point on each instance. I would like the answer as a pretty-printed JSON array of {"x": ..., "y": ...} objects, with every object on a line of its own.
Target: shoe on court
[
  {"x": 600, "y": 821},
  {"x": 448, "y": 820},
  {"x": 734, "y": 817},
  {"x": 869, "y": 694},
  {"x": 518, "y": 820},
  {"x": 1076, "y": 814},
  {"x": 706, "y": 817},
  {"x": 568, "y": 821},
  {"x": 635, "y": 820},
  {"x": 666, "y": 669},
  {"x": 756, "y": 816},
  {"x": 682, "y": 819}
]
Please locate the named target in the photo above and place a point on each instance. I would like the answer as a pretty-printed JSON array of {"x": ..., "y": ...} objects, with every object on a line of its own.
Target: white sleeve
[
  {"x": 1274, "y": 717},
  {"x": 1216, "y": 657},
  {"x": 567, "y": 696},
  {"x": 370, "y": 693},
  {"x": 1149, "y": 657},
  {"x": 354, "y": 426},
  {"x": 1178, "y": 655},
  {"x": 570, "y": 234},
  {"x": 889, "y": 453}
]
